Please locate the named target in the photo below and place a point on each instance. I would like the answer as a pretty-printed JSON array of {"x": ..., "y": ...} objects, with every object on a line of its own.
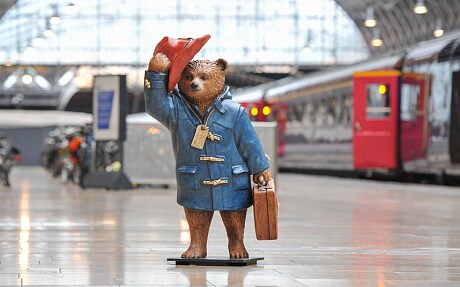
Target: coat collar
[
  {"x": 217, "y": 103},
  {"x": 225, "y": 95}
]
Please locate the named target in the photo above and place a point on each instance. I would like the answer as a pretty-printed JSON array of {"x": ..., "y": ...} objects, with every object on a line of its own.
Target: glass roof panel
[{"x": 245, "y": 32}]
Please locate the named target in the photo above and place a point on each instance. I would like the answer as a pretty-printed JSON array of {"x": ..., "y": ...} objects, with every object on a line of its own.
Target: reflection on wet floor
[{"x": 333, "y": 232}]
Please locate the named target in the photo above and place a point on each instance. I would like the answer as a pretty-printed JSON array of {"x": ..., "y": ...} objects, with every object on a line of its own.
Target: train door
[
  {"x": 414, "y": 126},
  {"x": 376, "y": 116}
]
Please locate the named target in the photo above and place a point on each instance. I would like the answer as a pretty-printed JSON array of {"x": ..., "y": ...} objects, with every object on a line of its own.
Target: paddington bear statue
[{"x": 215, "y": 146}]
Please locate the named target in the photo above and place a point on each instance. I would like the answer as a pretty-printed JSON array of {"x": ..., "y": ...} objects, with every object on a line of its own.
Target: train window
[
  {"x": 299, "y": 110},
  {"x": 409, "y": 101},
  {"x": 378, "y": 101}
]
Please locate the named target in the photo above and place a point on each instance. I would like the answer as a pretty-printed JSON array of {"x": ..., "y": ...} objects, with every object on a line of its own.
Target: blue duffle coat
[{"x": 216, "y": 177}]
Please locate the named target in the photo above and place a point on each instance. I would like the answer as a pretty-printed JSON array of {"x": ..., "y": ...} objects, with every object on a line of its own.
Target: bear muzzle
[{"x": 194, "y": 86}]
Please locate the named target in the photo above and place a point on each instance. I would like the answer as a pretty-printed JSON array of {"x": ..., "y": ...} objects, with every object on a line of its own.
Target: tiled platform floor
[{"x": 333, "y": 232}]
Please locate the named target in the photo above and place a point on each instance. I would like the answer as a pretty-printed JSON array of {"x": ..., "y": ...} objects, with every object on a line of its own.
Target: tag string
[{"x": 199, "y": 118}]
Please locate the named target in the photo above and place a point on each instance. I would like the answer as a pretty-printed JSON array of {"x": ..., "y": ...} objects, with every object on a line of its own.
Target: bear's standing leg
[
  {"x": 234, "y": 222},
  {"x": 198, "y": 224}
]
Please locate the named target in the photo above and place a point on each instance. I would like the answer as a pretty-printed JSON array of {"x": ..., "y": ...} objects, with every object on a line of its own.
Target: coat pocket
[
  {"x": 186, "y": 177},
  {"x": 241, "y": 178}
]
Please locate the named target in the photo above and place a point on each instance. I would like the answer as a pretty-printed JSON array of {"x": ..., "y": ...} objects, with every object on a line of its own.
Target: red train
[{"x": 395, "y": 114}]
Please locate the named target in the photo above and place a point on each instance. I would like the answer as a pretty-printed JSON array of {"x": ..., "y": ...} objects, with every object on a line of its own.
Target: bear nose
[{"x": 194, "y": 85}]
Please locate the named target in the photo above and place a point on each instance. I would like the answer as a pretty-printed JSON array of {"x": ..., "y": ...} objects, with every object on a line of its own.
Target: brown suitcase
[{"x": 266, "y": 211}]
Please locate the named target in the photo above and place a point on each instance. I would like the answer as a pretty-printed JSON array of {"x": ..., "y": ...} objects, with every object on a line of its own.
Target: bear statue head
[{"x": 202, "y": 81}]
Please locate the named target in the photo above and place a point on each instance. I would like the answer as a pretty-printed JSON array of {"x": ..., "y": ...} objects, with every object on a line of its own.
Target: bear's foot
[
  {"x": 194, "y": 252},
  {"x": 237, "y": 251}
]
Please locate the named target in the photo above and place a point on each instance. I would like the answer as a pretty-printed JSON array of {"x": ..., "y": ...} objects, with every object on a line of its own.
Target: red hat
[{"x": 179, "y": 52}]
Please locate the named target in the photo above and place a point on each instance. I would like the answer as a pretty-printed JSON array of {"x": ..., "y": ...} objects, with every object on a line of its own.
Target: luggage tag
[{"x": 201, "y": 134}]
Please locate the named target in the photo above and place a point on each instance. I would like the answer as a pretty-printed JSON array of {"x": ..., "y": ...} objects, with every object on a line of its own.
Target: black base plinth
[
  {"x": 109, "y": 180},
  {"x": 217, "y": 261}
]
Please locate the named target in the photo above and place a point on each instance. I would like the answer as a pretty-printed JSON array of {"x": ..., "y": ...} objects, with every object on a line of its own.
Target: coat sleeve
[
  {"x": 158, "y": 103},
  {"x": 248, "y": 144}
]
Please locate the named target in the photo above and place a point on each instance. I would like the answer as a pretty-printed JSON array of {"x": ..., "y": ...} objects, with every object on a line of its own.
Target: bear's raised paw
[{"x": 159, "y": 63}]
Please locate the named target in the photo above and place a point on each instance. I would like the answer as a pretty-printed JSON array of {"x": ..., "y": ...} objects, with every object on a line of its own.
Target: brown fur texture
[
  {"x": 159, "y": 63},
  {"x": 202, "y": 82},
  {"x": 198, "y": 223},
  {"x": 234, "y": 222},
  {"x": 263, "y": 177}
]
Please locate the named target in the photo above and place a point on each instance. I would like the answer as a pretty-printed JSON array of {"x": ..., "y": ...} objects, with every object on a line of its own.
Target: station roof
[
  {"x": 309, "y": 43},
  {"x": 5, "y": 5},
  {"x": 397, "y": 23}
]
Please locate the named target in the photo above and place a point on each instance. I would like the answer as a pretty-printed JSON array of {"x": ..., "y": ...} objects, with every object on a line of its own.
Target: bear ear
[{"x": 222, "y": 64}]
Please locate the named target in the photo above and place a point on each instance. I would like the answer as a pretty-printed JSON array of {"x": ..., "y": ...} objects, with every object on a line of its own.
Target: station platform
[{"x": 332, "y": 232}]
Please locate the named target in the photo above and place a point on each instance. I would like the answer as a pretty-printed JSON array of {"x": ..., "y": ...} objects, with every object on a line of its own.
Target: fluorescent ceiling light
[
  {"x": 66, "y": 77},
  {"x": 370, "y": 19},
  {"x": 420, "y": 7},
  {"x": 42, "y": 82},
  {"x": 10, "y": 81}
]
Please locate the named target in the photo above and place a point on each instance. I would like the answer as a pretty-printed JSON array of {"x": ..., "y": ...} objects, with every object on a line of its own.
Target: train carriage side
[
  {"x": 390, "y": 119},
  {"x": 440, "y": 61},
  {"x": 393, "y": 114},
  {"x": 319, "y": 120}
]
